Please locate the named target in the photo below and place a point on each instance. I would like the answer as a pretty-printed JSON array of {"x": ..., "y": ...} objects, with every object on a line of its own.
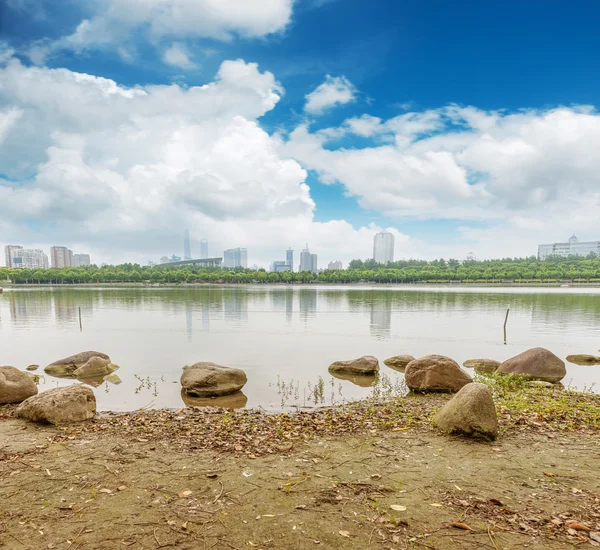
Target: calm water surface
[{"x": 285, "y": 337}]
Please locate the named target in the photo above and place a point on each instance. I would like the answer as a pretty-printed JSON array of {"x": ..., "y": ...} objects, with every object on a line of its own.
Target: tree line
[{"x": 516, "y": 270}]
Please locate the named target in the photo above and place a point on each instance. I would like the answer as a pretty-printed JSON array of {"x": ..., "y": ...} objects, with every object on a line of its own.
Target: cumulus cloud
[
  {"x": 336, "y": 90},
  {"x": 178, "y": 56}
]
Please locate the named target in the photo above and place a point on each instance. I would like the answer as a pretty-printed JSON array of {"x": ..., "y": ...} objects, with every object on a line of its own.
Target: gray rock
[
  {"x": 584, "y": 359},
  {"x": 482, "y": 366},
  {"x": 399, "y": 362},
  {"x": 15, "y": 385},
  {"x": 537, "y": 364},
  {"x": 59, "y": 405},
  {"x": 470, "y": 412},
  {"x": 363, "y": 365},
  {"x": 68, "y": 365},
  {"x": 543, "y": 384},
  {"x": 435, "y": 373},
  {"x": 32, "y": 367},
  {"x": 207, "y": 379},
  {"x": 95, "y": 366}
]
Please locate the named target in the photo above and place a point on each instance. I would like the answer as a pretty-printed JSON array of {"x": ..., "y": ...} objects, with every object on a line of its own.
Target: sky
[{"x": 460, "y": 127}]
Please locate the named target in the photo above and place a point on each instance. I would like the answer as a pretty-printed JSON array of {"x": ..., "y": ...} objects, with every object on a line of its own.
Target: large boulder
[
  {"x": 15, "y": 385},
  {"x": 399, "y": 362},
  {"x": 207, "y": 379},
  {"x": 470, "y": 412},
  {"x": 59, "y": 406},
  {"x": 363, "y": 365},
  {"x": 482, "y": 366},
  {"x": 584, "y": 359},
  {"x": 68, "y": 365},
  {"x": 95, "y": 366},
  {"x": 435, "y": 373},
  {"x": 537, "y": 364}
]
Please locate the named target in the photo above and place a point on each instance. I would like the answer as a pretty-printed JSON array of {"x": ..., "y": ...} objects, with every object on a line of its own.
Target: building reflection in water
[
  {"x": 307, "y": 303},
  {"x": 289, "y": 304},
  {"x": 381, "y": 318},
  {"x": 26, "y": 306},
  {"x": 235, "y": 307}
]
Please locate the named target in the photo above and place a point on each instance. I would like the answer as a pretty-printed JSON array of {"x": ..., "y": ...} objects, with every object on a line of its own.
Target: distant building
[
  {"x": 289, "y": 258},
  {"x": 9, "y": 250},
  {"x": 61, "y": 256},
  {"x": 174, "y": 258},
  {"x": 308, "y": 261},
  {"x": 187, "y": 246},
  {"x": 383, "y": 247},
  {"x": 573, "y": 247},
  {"x": 28, "y": 258},
  {"x": 335, "y": 266},
  {"x": 81, "y": 260},
  {"x": 203, "y": 249},
  {"x": 235, "y": 257},
  {"x": 471, "y": 257},
  {"x": 280, "y": 267},
  {"x": 164, "y": 260}
]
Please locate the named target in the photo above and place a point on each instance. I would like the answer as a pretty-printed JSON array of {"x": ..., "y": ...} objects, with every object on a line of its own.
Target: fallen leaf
[
  {"x": 573, "y": 524},
  {"x": 121, "y": 487},
  {"x": 595, "y": 537},
  {"x": 398, "y": 508},
  {"x": 212, "y": 476},
  {"x": 436, "y": 504},
  {"x": 400, "y": 429},
  {"x": 106, "y": 491},
  {"x": 459, "y": 525},
  {"x": 495, "y": 502},
  {"x": 184, "y": 494},
  {"x": 549, "y": 474},
  {"x": 345, "y": 534}
]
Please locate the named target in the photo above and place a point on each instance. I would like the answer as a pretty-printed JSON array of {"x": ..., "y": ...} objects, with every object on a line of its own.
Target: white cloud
[
  {"x": 336, "y": 90},
  {"x": 178, "y": 56}
]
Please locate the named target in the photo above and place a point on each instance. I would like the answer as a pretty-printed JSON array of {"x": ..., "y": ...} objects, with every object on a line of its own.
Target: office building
[
  {"x": 164, "y": 260},
  {"x": 203, "y": 249},
  {"x": 573, "y": 247},
  {"x": 187, "y": 246},
  {"x": 383, "y": 247},
  {"x": 61, "y": 256},
  {"x": 335, "y": 266},
  {"x": 289, "y": 258},
  {"x": 9, "y": 250},
  {"x": 235, "y": 257},
  {"x": 308, "y": 261},
  {"x": 280, "y": 267},
  {"x": 80, "y": 260},
  {"x": 28, "y": 258}
]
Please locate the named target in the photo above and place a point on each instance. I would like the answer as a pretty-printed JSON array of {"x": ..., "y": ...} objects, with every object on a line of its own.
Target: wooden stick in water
[{"x": 505, "y": 321}]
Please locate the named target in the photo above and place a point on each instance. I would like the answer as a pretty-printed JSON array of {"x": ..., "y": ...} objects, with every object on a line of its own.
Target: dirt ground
[{"x": 404, "y": 487}]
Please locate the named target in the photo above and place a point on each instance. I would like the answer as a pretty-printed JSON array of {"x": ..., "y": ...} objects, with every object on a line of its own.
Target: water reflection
[
  {"x": 237, "y": 400},
  {"x": 361, "y": 380},
  {"x": 381, "y": 317}
]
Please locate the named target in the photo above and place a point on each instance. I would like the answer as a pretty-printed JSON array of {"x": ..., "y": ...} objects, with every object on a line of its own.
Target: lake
[{"x": 285, "y": 337}]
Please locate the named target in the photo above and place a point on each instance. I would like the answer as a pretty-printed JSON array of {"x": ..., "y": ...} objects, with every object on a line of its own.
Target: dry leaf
[
  {"x": 595, "y": 537},
  {"x": 106, "y": 491},
  {"x": 400, "y": 429},
  {"x": 345, "y": 534},
  {"x": 573, "y": 524},
  {"x": 436, "y": 504},
  {"x": 398, "y": 508},
  {"x": 185, "y": 493},
  {"x": 459, "y": 525}
]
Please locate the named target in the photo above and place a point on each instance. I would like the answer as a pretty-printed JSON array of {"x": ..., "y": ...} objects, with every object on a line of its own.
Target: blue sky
[{"x": 482, "y": 125}]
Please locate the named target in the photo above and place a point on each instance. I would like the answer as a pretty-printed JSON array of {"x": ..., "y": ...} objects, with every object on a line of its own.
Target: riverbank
[{"x": 328, "y": 478}]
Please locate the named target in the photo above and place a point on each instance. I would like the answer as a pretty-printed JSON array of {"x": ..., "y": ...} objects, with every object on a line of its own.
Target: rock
[
  {"x": 482, "y": 366},
  {"x": 15, "y": 385},
  {"x": 399, "y": 362},
  {"x": 95, "y": 366},
  {"x": 207, "y": 379},
  {"x": 363, "y": 365},
  {"x": 435, "y": 373},
  {"x": 470, "y": 412},
  {"x": 537, "y": 364},
  {"x": 361, "y": 380},
  {"x": 584, "y": 359},
  {"x": 543, "y": 384},
  {"x": 59, "y": 405},
  {"x": 237, "y": 400},
  {"x": 113, "y": 379},
  {"x": 68, "y": 365},
  {"x": 32, "y": 367}
]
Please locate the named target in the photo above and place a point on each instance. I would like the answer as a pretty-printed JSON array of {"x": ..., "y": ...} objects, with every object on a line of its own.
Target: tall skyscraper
[
  {"x": 289, "y": 258},
  {"x": 9, "y": 250},
  {"x": 81, "y": 260},
  {"x": 203, "y": 249},
  {"x": 235, "y": 257},
  {"x": 61, "y": 256},
  {"x": 308, "y": 261},
  {"x": 383, "y": 247},
  {"x": 28, "y": 258},
  {"x": 187, "y": 247}
]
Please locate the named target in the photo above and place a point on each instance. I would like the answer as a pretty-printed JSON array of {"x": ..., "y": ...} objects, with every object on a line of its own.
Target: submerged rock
[
  {"x": 113, "y": 379},
  {"x": 435, "y": 373},
  {"x": 15, "y": 385},
  {"x": 537, "y": 364},
  {"x": 207, "y": 379},
  {"x": 470, "y": 412},
  {"x": 482, "y": 366},
  {"x": 584, "y": 359},
  {"x": 95, "y": 366},
  {"x": 32, "y": 367},
  {"x": 67, "y": 366},
  {"x": 59, "y": 406},
  {"x": 399, "y": 362},
  {"x": 363, "y": 365}
]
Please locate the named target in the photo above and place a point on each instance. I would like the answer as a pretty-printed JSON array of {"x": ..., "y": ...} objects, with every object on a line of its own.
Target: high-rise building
[
  {"x": 235, "y": 257},
  {"x": 335, "y": 266},
  {"x": 61, "y": 256},
  {"x": 280, "y": 267},
  {"x": 573, "y": 247},
  {"x": 289, "y": 258},
  {"x": 8, "y": 253},
  {"x": 81, "y": 260},
  {"x": 308, "y": 261},
  {"x": 28, "y": 258},
  {"x": 383, "y": 247},
  {"x": 187, "y": 247},
  {"x": 203, "y": 249}
]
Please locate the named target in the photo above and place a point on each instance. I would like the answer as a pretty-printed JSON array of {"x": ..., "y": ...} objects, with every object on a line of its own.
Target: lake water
[{"x": 285, "y": 337}]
